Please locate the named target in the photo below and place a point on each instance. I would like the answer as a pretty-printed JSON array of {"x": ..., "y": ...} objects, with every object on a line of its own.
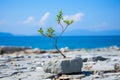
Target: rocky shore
[{"x": 25, "y": 63}]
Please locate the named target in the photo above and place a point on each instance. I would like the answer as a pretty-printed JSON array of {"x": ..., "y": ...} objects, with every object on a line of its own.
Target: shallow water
[{"x": 72, "y": 42}]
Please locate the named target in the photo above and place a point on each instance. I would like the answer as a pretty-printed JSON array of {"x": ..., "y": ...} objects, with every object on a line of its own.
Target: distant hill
[
  {"x": 77, "y": 33},
  {"x": 5, "y": 34},
  {"x": 93, "y": 33}
]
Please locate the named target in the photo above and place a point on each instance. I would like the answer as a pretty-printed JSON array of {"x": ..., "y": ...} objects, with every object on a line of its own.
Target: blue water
[{"x": 73, "y": 42}]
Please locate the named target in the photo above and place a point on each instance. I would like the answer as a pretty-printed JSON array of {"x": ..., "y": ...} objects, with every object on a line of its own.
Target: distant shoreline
[
  {"x": 63, "y": 36},
  {"x": 12, "y": 49},
  {"x": 29, "y": 47}
]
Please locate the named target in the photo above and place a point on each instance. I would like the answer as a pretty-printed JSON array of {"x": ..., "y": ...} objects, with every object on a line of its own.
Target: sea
[{"x": 72, "y": 42}]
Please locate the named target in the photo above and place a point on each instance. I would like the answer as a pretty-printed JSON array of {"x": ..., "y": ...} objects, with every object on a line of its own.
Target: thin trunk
[
  {"x": 56, "y": 40},
  {"x": 57, "y": 48}
]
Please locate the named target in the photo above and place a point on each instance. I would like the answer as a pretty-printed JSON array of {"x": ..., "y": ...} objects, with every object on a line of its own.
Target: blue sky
[{"x": 24, "y": 17}]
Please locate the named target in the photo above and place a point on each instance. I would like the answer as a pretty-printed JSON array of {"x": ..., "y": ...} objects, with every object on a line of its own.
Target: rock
[
  {"x": 99, "y": 58},
  {"x": 11, "y": 49},
  {"x": 64, "y": 49},
  {"x": 1, "y": 52},
  {"x": 65, "y": 77},
  {"x": 114, "y": 48},
  {"x": 85, "y": 59},
  {"x": 46, "y": 55},
  {"x": 117, "y": 67},
  {"x": 16, "y": 73},
  {"x": 4, "y": 59},
  {"x": 64, "y": 66},
  {"x": 43, "y": 51},
  {"x": 52, "y": 51},
  {"x": 50, "y": 76},
  {"x": 103, "y": 66},
  {"x": 29, "y": 51},
  {"x": 18, "y": 58},
  {"x": 36, "y": 50}
]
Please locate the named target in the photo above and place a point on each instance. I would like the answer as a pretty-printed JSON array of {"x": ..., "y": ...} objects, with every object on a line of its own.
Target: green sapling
[{"x": 50, "y": 33}]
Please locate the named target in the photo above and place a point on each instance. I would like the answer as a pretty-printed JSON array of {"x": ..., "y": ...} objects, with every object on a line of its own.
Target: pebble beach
[{"x": 28, "y": 64}]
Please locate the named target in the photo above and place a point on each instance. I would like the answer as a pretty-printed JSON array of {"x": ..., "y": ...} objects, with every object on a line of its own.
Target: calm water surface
[{"x": 72, "y": 42}]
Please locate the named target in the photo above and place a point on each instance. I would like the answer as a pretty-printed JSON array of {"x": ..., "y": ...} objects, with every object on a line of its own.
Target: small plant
[{"x": 50, "y": 33}]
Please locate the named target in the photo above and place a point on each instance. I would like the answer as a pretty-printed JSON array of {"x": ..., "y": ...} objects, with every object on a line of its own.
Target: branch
[
  {"x": 62, "y": 26},
  {"x": 63, "y": 30}
]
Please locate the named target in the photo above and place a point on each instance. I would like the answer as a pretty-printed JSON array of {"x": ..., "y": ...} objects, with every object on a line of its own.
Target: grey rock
[
  {"x": 85, "y": 59},
  {"x": 16, "y": 73},
  {"x": 49, "y": 76},
  {"x": 11, "y": 49},
  {"x": 52, "y": 51},
  {"x": 64, "y": 66},
  {"x": 37, "y": 50},
  {"x": 4, "y": 59},
  {"x": 43, "y": 51},
  {"x": 99, "y": 58},
  {"x": 117, "y": 67}
]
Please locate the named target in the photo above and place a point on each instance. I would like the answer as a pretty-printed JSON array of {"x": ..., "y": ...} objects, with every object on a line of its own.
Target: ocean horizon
[{"x": 72, "y": 42}]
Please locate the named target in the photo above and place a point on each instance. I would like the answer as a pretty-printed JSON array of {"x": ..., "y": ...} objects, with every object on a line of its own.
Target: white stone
[
  {"x": 36, "y": 50},
  {"x": 64, "y": 49},
  {"x": 103, "y": 66},
  {"x": 29, "y": 51},
  {"x": 65, "y": 65}
]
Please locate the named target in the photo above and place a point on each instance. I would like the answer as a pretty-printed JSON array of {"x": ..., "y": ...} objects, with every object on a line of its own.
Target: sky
[{"x": 25, "y": 17}]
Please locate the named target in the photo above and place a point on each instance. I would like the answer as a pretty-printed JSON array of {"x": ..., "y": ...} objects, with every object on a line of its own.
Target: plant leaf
[
  {"x": 50, "y": 32},
  {"x": 72, "y": 21},
  {"x": 59, "y": 16},
  {"x": 68, "y": 22},
  {"x": 40, "y": 31}
]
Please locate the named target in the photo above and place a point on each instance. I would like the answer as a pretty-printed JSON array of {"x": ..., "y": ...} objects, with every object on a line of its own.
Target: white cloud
[
  {"x": 44, "y": 18},
  {"x": 99, "y": 27},
  {"x": 31, "y": 20},
  {"x": 103, "y": 24},
  {"x": 75, "y": 17}
]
